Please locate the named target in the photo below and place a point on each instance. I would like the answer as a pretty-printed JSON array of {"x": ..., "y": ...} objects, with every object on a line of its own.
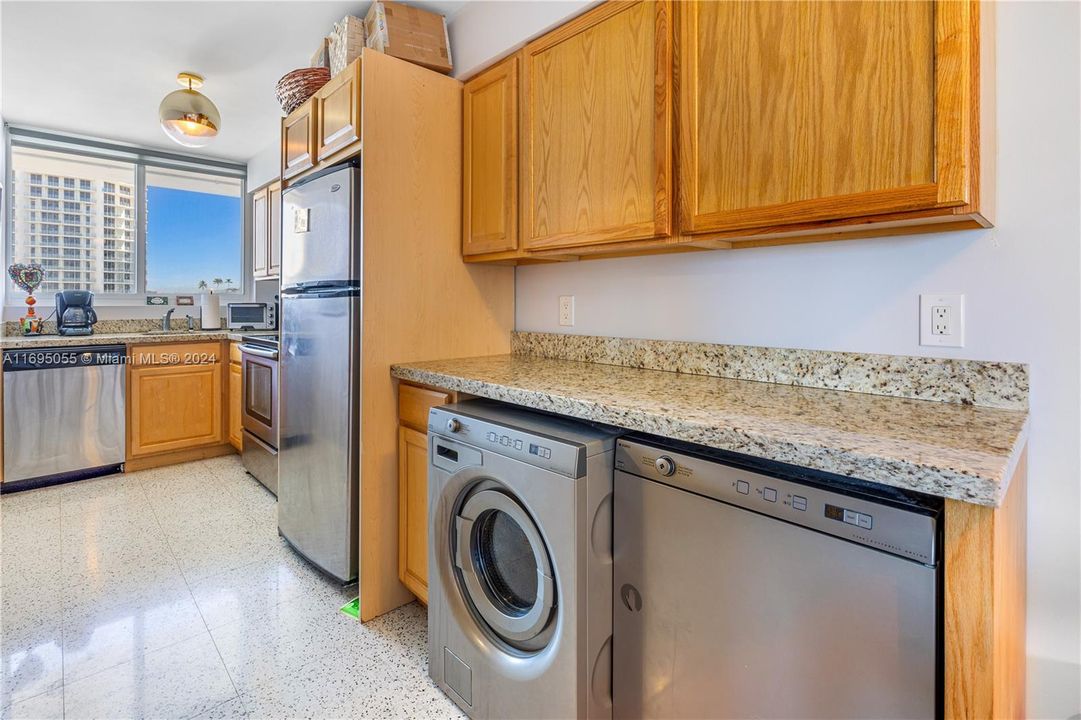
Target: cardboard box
[
  {"x": 345, "y": 43},
  {"x": 409, "y": 33},
  {"x": 321, "y": 57}
]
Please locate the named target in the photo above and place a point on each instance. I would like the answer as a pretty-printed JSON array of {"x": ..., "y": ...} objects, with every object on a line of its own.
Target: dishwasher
[
  {"x": 746, "y": 588},
  {"x": 63, "y": 414}
]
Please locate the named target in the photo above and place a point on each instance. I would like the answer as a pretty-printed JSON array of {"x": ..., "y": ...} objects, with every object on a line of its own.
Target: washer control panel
[{"x": 556, "y": 454}]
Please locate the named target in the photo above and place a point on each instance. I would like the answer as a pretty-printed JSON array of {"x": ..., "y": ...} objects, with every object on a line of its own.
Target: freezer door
[
  {"x": 319, "y": 434},
  {"x": 722, "y": 612},
  {"x": 321, "y": 230}
]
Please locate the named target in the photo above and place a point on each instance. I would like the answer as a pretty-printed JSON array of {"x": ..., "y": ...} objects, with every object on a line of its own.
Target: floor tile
[
  {"x": 96, "y": 640},
  {"x": 47, "y": 706},
  {"x": 31, "y": 665},
  {"x": 251, "y": 589},
  {"x": 178, "y": 681},
  {"x": 108, "y": 588},
  {"x": 108, "y": 496},
  {"x": 261, "y": 649}
]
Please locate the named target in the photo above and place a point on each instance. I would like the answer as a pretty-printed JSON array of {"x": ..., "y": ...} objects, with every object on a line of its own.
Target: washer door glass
[{"x": 505, "y": 568}]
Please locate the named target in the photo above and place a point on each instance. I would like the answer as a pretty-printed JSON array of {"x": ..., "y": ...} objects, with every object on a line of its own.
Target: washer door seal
[{"x": 516, "y": 601}]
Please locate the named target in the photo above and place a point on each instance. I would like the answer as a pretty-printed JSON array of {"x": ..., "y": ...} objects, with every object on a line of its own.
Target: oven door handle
[{"x": 261, "y": 352}]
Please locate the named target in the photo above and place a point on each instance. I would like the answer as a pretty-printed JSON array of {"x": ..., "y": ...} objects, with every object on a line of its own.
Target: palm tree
[{"x": 202, "y": 285}]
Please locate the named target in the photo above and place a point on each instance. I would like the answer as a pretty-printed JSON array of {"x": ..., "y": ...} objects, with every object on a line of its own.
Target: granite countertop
[
  {"x": 959, "y": 451},
  {"x": 120, "y": 338}
]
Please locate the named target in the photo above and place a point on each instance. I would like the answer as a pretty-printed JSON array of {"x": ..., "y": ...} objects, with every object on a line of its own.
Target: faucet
[
  {"x": 191, "y": 323},
  {"x": 166, "y": 321}
]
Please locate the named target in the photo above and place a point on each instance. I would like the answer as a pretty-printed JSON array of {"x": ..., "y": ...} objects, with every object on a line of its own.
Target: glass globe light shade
[{"x": 189, "y": 118}]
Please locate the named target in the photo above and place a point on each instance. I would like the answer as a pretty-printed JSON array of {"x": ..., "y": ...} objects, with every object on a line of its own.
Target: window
[
  {"x": 193, "y": 230},
  {"x": 189, "y": 212}
]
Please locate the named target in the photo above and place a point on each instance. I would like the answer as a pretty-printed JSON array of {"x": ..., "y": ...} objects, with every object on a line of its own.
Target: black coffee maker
[{"x": 75, "y": 312}]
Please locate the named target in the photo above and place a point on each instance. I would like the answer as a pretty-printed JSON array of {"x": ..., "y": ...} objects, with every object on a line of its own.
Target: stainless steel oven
[{"x": 259, "y": 407}]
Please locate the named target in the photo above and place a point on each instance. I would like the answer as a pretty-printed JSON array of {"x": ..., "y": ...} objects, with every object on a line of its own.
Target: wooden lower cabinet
[
  {"x": 413, "y": 511},
  {"x": 175, "y": 398},
  {"x": 414, "y": 403},
  {"x": 236, "y": 400}
]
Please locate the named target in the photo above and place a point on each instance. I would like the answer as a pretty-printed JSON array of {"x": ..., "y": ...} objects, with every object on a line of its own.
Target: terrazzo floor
[{"x": 167, "y": 593}]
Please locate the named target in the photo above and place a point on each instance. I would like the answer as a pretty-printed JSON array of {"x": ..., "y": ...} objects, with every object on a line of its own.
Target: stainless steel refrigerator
[{"x": 319, "y": 454}]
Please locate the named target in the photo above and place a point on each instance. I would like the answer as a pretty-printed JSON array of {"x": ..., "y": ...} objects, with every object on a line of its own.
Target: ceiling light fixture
[{"x": 188, "y": 116}]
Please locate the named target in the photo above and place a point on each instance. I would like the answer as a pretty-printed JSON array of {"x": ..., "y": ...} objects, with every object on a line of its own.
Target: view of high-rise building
[{"x": 75, "y": 216}]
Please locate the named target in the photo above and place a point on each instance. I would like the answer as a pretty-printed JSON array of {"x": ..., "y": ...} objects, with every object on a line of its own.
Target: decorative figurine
[{"x": 28, "y": 277}]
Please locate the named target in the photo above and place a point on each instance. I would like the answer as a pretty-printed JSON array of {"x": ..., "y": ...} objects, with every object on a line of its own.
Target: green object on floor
[{"x": 352, "y": 608}]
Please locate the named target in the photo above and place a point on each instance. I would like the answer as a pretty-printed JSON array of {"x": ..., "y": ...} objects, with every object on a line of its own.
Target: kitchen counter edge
[{"x": 976, "y": 486}]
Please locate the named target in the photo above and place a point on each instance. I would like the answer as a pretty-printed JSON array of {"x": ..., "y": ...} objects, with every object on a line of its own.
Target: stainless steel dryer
[{"x": 520, "y": 562}]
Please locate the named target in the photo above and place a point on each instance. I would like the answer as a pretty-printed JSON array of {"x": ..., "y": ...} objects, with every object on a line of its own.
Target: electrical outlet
[
  {"x": 942, "y": 319},
  {"x": 566, "y": 310}
]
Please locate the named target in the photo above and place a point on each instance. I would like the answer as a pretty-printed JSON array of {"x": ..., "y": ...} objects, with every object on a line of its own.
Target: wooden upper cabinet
[
  {"x": 259, "y": 232},
  {"x": 299, "y": 137},
  {"x": 490, "y": 160},
  {"x": 795, "y": 112},
  {"x": 338, "y": 112},
  {"x": 596, "y": 128},
  {"x": 274, "y": 229}
]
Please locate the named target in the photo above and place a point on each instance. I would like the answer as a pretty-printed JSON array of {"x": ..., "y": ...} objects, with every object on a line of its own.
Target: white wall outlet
[
  {"x": 942, "y": 319},
  {"x": 566, "y": 310}
]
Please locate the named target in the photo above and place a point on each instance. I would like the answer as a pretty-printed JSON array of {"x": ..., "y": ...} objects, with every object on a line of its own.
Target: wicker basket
[{"x": 296, "y": 87}]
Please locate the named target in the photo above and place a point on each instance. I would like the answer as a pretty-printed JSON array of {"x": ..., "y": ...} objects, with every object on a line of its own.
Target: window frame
[{"x": 141, "y": 158}]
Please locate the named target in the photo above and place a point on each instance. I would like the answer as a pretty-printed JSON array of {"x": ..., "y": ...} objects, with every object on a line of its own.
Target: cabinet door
[
  {"x": 490, "y": 160},
  {"x": 298, "y": 139},
  {"x": 597, "y": 128},
  {"x": 413, "y": 511},
  {"x": 236, "y": 387},
  {"x": 174, "y": 407},
  {"x": 274, "y": 230},
  {"x": 339, "y": 111},
  {"x": 259, "y": 232},
  {"x": 802, "y": 111}
]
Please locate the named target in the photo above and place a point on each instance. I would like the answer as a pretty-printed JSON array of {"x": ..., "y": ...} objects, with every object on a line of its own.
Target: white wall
[
  {"x": 264, "y": 167},
  {"x": 1021, "y": 280},
  {"x": 483, "y": 31}
]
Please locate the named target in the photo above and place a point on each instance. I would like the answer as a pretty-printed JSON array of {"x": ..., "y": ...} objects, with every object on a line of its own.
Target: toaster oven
[{"x": 251, "y": 316}]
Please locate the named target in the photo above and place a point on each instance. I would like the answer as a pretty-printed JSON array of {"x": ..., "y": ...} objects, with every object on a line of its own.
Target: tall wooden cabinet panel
[
  {"x": 260, "y": 232},
  {"x": 490, "y": 160},
  {"x": 803, "y": 111},
  {"x": 596, "y": 128},
  {"x": 266, "y": 231},
  {"x": 338, "y": 112},
  {"x": 299, "y": 139},
  {"x": 274, "y": 230},
  {"x": 236, "y": 401}
]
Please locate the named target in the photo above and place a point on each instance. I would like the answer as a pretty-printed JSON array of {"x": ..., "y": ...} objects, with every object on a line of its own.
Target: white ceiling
[{"x": 101, "y": 68}]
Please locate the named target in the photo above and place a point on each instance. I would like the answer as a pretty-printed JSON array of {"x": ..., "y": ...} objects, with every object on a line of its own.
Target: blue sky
[{"x": 191, "y": 236}]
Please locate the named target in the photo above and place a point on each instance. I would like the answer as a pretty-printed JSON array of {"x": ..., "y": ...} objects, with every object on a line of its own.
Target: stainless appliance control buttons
[
  {"x": 799, "y": 502},
  {"x": 492, "y": 437},
  {"x": 852, "y": 517},
  {"x": 769, "y": 494},
  {"x": 665, "y": 465},
  {"x": 504, "y": 441},
  {"x": 864, "y": 521},
  {"x": 454, "y": 425},
  {"x": 517, "y": 444},
  {"x": 743, "y": 487}
]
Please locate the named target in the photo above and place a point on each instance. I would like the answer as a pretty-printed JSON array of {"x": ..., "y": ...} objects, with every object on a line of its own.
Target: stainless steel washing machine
[{"x": 520, "y": 562}]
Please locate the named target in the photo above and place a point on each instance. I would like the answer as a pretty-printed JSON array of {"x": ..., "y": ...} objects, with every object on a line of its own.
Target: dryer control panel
[{"x": 520, "y": 434}]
